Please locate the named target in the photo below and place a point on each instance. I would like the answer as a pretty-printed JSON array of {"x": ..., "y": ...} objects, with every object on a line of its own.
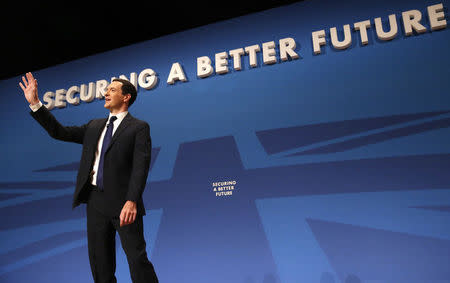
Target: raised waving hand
[{"x": 30, "y": 89}]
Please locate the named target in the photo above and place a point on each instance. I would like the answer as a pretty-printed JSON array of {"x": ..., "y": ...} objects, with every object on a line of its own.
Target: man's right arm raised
[{"x": 41, "y": 114}]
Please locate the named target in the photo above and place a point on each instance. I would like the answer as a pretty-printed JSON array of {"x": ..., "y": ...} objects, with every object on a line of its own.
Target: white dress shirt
[{"x": 120, "y": 116}]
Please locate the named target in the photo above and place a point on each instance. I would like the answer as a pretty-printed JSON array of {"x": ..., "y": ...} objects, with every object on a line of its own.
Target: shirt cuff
[{"x": 35, "y": 107}]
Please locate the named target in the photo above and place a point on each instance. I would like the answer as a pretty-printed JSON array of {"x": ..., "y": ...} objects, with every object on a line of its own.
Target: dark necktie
[{"x": 106, "y": 141}]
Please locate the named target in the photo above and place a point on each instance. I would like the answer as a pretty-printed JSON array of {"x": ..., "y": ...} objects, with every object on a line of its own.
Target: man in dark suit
[{"x": 111, "y": 178}]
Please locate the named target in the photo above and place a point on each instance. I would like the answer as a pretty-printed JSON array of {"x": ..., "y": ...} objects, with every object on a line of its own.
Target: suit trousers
[{"x": 101, "y": 233}]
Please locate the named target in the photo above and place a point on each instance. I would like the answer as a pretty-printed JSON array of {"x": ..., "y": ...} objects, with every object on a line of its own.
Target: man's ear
[{"x": 127, "y": 97}]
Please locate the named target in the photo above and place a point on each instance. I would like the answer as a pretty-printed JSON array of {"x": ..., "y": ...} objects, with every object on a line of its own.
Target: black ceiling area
[{"x": 37, "y": 35}]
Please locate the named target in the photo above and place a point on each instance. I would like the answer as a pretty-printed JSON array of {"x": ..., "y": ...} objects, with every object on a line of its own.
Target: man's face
[{"x": 114, "y": 99}]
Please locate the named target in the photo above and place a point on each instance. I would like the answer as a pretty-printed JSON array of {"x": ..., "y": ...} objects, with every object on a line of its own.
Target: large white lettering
[
  {"x": 267, "y": 53},
  {"x": 176, "y": 74},
  {"x": 412, "y": 23}
]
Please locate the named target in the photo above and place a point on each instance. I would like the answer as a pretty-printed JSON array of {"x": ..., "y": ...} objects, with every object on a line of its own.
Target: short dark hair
[{"x": 128, "y": 88}]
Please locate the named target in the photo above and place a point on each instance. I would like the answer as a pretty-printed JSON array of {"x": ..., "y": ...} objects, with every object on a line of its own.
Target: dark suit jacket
[{"x": 126, "y": 161}]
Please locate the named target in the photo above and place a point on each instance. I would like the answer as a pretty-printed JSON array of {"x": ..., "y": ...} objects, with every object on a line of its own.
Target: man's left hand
[{"x": 128, "y": 213}]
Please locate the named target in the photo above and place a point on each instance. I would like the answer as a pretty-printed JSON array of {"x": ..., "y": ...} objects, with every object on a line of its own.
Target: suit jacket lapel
[
  {"x": 94, "y": 136},
  {"x": 123, "y": 125},
  {"x": 98, "y": 130}
]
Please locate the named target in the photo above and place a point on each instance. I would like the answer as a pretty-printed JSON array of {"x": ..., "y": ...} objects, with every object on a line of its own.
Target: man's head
[{"x": 120, "y": 95}]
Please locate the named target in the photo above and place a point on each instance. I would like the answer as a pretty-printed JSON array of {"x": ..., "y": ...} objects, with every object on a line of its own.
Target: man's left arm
[{"x": 138, "y": 179}]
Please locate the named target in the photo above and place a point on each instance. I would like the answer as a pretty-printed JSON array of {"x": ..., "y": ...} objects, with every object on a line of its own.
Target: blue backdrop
[{"x": 338, "y": 162}]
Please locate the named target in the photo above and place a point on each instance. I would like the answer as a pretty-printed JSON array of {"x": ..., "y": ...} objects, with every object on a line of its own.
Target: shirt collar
[{"x": 119, "y": 116}]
